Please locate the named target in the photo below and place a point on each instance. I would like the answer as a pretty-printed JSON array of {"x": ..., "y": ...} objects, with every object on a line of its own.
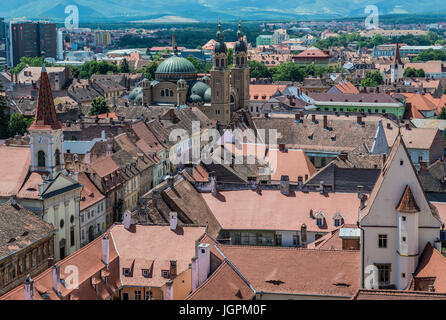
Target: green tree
[
  {"x": 17, "y": 124},
  {"x": 3, "y": 118},
  {"x": 149, "y": 70},
  {"x": 442, "y": 114},
  {"x": 200, "y": 66},
  {"x": 412, "y": 72},
  {"x": 288, "y": 72},
  {"x": 98, "y": 106},
  {"x": 258, "y": 70},
  {"x": 124, "y": 66},
  {"x": 368, "y": 82}
]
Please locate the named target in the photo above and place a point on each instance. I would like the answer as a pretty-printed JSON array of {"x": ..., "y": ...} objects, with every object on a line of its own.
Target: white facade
[
  {"x": 405, "y": 234},
  {"x": 46, "y": 150},
  {"x": 92, "y": 222}
]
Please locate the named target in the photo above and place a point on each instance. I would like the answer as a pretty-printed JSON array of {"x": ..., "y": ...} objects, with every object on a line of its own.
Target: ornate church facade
[{"x": 218, "y": 96}]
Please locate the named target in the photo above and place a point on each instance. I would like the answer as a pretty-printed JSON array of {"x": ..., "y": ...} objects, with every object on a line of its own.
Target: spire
[
  {"x": 239, "y": 32},
  {"x": 45, "y": 117},
  {"x": 407, "y": 202},
  {"x": 380, "y": 145},
  {"x": 396, "y": 57},
  {"x": 219, "y": 34}
]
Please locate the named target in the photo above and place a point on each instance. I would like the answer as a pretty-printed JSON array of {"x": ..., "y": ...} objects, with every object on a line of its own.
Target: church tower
[
  {"x": 396, "y": 68},
  {"x": 220, "y": 82},
  {"x": 46, "y": 132},
  {"x": 240, "y": 71}
]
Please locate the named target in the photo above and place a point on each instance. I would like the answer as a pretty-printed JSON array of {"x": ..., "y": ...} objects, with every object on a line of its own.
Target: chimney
[
  {"x": 281, "y": 147},
  {"x": 109, "y": 148},
  {"x": 169, "y": 290},
  {"x": 325, "y": 122},
  {"x": 56, "y": 278},
  {"x": 407, "y": 126},
  {"x": 313, "y": 118},
  {"x": 105, "y": 250},
  {"x": 297, "y": 116},
  {"x": 359, "y": 119},
  {"x": 173, "y": 269},
  {"x": 303, "y": 235},
  {"x": 204, "y": 262},
  {"x": 285, "y": 185},
  {"x": 214, "y": 185},
  {"x": 127, "y": 219},
  {"x": 194, "y": 273},
  {"x": 169, "y": 180},
  {"x": 88, "y": 157},
  {"x": 321, "y": 187},
  {"x": 362, "y": 197},
  {"x": 29, "y": 288},
  {"x": 437, "y": 245},
  {"x": 173, "y": 219}
]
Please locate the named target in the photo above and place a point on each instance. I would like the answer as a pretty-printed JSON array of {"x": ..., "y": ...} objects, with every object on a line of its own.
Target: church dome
[
  {"x": 136, "y": 95},
  {"x": 195, "y": 98},
  {"x": 175, "y": 68},
  {"x": 240, "y": 46},
  {"x": 199, "y": 88},
  {"x": 220, "y": 47},
  {"x": 207, "y": 95}
]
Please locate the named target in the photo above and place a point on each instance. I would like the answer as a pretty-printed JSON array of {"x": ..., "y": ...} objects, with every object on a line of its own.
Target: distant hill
[{"x": 206, "y": 10}]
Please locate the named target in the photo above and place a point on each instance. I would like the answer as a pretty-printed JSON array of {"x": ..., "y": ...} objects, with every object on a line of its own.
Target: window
[
  {"x": 295, "y": 240},
  {"x": 278, "y": 239},
  {"x": 384, "y": 274},
  {"x": 149, "y": 295},
  {"x": 125, "y": 296},
  {"x": 126, "y": 272},
  {"x": 382, "y": 241},
  {"x": 165, "y": 273},
  {"x": 145, "y": 273},
  {"x": 137, "y": 295},
  {"x": 162, "y": 93},
  {"x": 61, "y": 224},
  {"x": 41, "y": 159},
  {"x": 403, "y": 218},
  {"x": 72, "y": 236},
  {"x": 57, "y": 157},
  {"x": 403, "y": 239},
  {"x": 319, "y": 221},
  {"x": 337, "y": 222}
]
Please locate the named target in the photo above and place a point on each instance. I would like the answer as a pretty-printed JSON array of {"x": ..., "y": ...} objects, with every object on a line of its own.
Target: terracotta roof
[
  {"x": 14, "y": 166},
  {"x": 346, "y": 87},
  {"x": 30, "y": 189},
  {"x": 104, "y": 166},
  {"x": 20, "y": 228},
  {"x": 45, "y": 117},
  {"x": 431, "y": 265},
  {"x": 153, "y": 247},
  {"x": 407, "y": 202},
  {"x": 271, "y": 210},
  {"x": 381, "y": 294},
  {"x": 264, "y": 92},
  {"x": 89, "y": 264},
  {"x": 414, "y": 138},
  {"x": 151, "y": 143},
  {"x": 224, "y": 284},
  {"x": 313, "y": 53},
  {"x": 89, "y": 193},
  {"x": 274, "y": 269}
]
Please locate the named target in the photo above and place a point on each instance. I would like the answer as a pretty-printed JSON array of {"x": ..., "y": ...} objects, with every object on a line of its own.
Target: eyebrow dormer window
[
  {"x": 338, "y": 220},
  {"x": 145, "y": 273},
  {"x": 126, "y": 272}
]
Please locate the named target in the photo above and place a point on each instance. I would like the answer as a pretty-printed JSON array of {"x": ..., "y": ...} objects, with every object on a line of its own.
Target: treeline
[
  {"x": 289, "y": 71},
  {"x": 431, "y": 54},
  {"x": 369, "y": 42}
]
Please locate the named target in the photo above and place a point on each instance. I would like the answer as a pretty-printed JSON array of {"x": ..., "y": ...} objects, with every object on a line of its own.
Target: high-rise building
[
  {"x": 30, "y": 39},
  {"x": 2, "y": 39}
]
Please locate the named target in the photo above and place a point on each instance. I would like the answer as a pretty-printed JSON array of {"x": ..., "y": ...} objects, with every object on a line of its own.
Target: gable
[
  {"x": 61, "y": 183},
  {"x": 395, "y": 176}
]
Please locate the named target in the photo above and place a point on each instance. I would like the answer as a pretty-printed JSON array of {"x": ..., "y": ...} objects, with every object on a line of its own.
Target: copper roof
[{"x": 407, "y": 202}]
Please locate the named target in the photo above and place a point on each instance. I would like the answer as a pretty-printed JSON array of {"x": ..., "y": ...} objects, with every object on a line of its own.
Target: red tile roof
[
  {"x": 346, "y": 87},
  {"x": 431, "y": 265},
  {"x": 407, "y": 202},
  {"x": 297, "y": 271},
  {"x": 264, "y": 91},
  {"x": 89, "y": 193},
  {"x": 14, "y": 166},
  {"x": 382, "y": 294},
  {"x": 271, "y": 210}
]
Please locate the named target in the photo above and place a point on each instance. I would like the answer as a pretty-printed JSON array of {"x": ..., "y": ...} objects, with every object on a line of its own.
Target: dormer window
[
  {"x": 338, "y": 220},
  {"x": 320, "y": 219},
  {"x": 165, "y": 273},
  {"x": 145, "y": 273},
  {"x": 126, "y": 272}
]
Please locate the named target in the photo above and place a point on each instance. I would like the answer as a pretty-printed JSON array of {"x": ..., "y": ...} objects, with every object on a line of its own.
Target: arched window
[
  {"x": 41, "y": 159},
  {"x": 57, "y": 157},
  {"x": 171, "y": 93},
  {"x": 162, "y": 93},
  {"x": 242, "y": 60},
  {"x": 222, "y": 62},
  {"x": 217, "y": 62},
  {"x": 237, "y": 60}
]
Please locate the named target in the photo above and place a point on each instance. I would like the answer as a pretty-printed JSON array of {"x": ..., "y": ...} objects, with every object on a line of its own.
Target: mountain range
[{"x": 207, "y": 10}]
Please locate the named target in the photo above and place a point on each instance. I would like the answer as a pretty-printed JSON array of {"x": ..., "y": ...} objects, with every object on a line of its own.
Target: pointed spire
[
  {"x": 45, "y": 117},
  {"x": 407, "y": 202},
  {"x": 239, "y": 32},
  {"x": 219, "y": 34},
  {"x": 380, "y": 145},
  {"x": 396, "y": 57}
]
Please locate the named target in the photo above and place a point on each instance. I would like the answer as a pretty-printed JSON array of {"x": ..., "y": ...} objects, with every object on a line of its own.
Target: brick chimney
[
  {"x": 303, "y": 235},
  {"x": 285, "y": 185},
  {"x": 313, "y": 118},
  {"x": 173, "y": 269},
  {"x": 325, "y": 122}
]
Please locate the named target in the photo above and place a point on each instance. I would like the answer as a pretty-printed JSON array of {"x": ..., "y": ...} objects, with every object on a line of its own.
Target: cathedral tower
[
  {"x": 240, "y": 71},
  {"x": 46, "y": 131},
  {"x": 220, "y": 82},
  {"x": 396, "y": 68}
]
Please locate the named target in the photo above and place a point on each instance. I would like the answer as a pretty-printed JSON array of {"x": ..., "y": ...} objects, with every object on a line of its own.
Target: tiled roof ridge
[
  {"x": 391, "y": 292},
  {"x": 286, "y": 248}
]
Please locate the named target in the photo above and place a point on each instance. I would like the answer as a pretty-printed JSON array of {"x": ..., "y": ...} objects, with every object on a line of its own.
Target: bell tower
[
  {"x": 46, "y": 131},
  {"x": 240, "y": 70},
  {"x": 220, "y": 82}
]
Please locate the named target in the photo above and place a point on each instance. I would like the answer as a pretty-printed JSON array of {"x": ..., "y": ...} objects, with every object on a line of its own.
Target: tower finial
[
  {"x": 239, "y": 32},
  {"x": 219, "y": 34}
]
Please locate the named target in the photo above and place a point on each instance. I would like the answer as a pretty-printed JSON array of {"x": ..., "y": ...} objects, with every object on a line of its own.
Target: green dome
[
  {"x": 207, "y": 95},
  {"x": 195, "y": 98},
  {"x": 176, "y": 65},
  {"x": 199, "y": 88}
]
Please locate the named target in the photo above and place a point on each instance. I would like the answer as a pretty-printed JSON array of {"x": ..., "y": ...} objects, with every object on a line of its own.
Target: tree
[
  {"x": 414, "y": 73},
  {"x": 287, "y": 72},
  {"x": 258, "y": 70},
  {"x": 199, "y": 66},
  {"x": 149, "y": 70},
  {"x": 99, "y": 106},
  {"x": 17, "y": 124},
  {"x": 442, "y": 114},
  {"x": 368, "y": 82},
  {"x": 124, "y": 66}
]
